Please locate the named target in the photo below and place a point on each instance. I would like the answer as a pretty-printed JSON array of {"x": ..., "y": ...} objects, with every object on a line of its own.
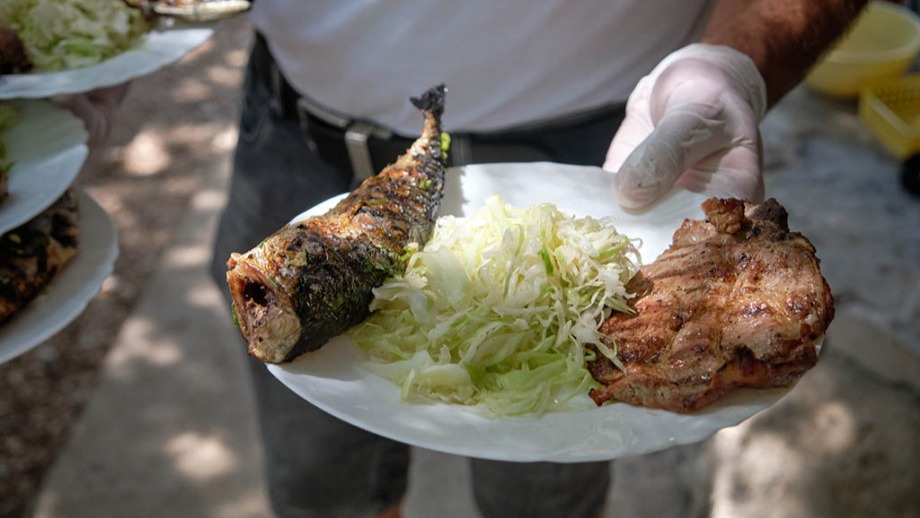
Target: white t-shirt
[{"x": 504, "y": 62}]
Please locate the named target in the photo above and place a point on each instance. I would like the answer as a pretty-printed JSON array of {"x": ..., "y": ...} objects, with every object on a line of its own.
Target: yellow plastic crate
[
  {"x": 891, "y": 111},
  {"x": 880, "y": 46}
]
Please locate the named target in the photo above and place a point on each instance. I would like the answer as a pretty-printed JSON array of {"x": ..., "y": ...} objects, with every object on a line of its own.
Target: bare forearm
[{"x": 783, "y": 37}]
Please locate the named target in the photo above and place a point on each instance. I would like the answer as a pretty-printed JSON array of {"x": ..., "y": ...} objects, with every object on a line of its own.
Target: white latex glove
[
  {"x": 96, "y": 109},
  {"x": 693, "y": 121}
]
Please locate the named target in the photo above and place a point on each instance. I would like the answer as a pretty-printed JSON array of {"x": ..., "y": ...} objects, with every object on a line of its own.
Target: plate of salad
[
  {"x": 75, "y": 46},
  {"x": 44, "y": 147},
  {"x": 521, "y": 393}
]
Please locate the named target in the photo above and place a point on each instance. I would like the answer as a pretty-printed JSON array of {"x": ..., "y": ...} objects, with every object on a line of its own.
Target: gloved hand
[
  {"x": 96, "y": 109},
  {"x": 693, "y": 121}
]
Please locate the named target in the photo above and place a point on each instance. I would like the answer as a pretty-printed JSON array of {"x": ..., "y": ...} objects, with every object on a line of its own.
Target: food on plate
[
  {"x": 32, "y": 254},
  {"x": 736, "y": 301},
  {"x": 13, "y": 57},
  {"x": 313, "y": 279},
  {"x": 67, "y": 34},
  {"x": 195, "y": 10},
  {"x": 496, "y": 310}
]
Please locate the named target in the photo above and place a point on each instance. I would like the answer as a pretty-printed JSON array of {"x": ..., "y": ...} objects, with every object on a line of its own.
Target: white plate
[
  {"x": 204, "y": 11},
  {"x": 154, "y": 51},
  {"x": 47, "y": 148},
  {"x": 70, "y": 291},
  {"x": 332, "y": 379}
]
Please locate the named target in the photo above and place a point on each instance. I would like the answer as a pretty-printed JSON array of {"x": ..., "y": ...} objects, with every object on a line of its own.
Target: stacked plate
[{"x": 47, "y": 148}]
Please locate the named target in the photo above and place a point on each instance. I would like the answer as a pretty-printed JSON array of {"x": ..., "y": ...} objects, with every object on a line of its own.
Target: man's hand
[
  {"x": 693, "y": 121},
  {"x": 96, "y": 109}
]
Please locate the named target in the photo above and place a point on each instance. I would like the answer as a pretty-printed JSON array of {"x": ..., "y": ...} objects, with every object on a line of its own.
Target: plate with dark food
[
  {"x": 36, "y": 170},
  {"x": 56, "y": 47},
  {"x": 517, "y": 312},
  {"x": 50, "y": 268}
]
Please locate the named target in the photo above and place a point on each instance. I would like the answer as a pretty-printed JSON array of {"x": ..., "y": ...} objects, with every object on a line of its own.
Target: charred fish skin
[{"x": 312, "y": 280}]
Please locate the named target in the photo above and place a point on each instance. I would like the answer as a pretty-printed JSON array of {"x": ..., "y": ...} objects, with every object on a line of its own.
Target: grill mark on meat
[{"x": 736, "y": 301}]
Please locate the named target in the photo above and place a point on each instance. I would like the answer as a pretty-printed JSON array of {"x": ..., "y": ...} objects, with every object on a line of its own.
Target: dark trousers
[{"x": 317, "y": 465}]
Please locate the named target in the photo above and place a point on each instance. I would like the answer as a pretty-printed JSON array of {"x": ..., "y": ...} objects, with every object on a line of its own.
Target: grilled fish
[
  {"x": 736, "y": 301},
  {"x": 312, "y": 280},
  {"x": 32, "y": 254}
]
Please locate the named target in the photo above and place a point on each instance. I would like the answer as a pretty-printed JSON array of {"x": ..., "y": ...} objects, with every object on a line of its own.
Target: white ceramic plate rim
[
  {"x": 332, "y": 379},
  {"x": 204, "y": 11},
  {"x": 160, "y": 47},
  {"x": 71, "y": 290},
  {"x": 47, "y": 147}
]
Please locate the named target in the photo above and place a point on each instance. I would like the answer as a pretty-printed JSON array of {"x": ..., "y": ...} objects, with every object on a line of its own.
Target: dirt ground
[{"x": 172, "y": 125}]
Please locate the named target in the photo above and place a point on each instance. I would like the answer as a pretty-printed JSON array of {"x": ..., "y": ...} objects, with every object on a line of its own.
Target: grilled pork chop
[{"x": 736, "y": 301}]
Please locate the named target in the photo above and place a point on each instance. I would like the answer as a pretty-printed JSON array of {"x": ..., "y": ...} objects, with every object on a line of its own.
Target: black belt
[{"x": 365, "y": 148}]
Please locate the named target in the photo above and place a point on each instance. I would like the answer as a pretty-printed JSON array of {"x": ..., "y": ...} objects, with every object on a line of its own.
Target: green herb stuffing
[{"x": 445, "y": 143}]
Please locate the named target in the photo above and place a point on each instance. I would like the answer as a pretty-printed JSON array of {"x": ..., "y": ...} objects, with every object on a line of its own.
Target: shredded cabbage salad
[
  {"x": 63, "y": 34},
  {"x": 496, "y": 310}
]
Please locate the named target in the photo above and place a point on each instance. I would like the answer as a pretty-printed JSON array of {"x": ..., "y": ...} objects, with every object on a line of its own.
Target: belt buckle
[
  {"x": 359, "y": 154},
  {"x": 356, "y": 135}
]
